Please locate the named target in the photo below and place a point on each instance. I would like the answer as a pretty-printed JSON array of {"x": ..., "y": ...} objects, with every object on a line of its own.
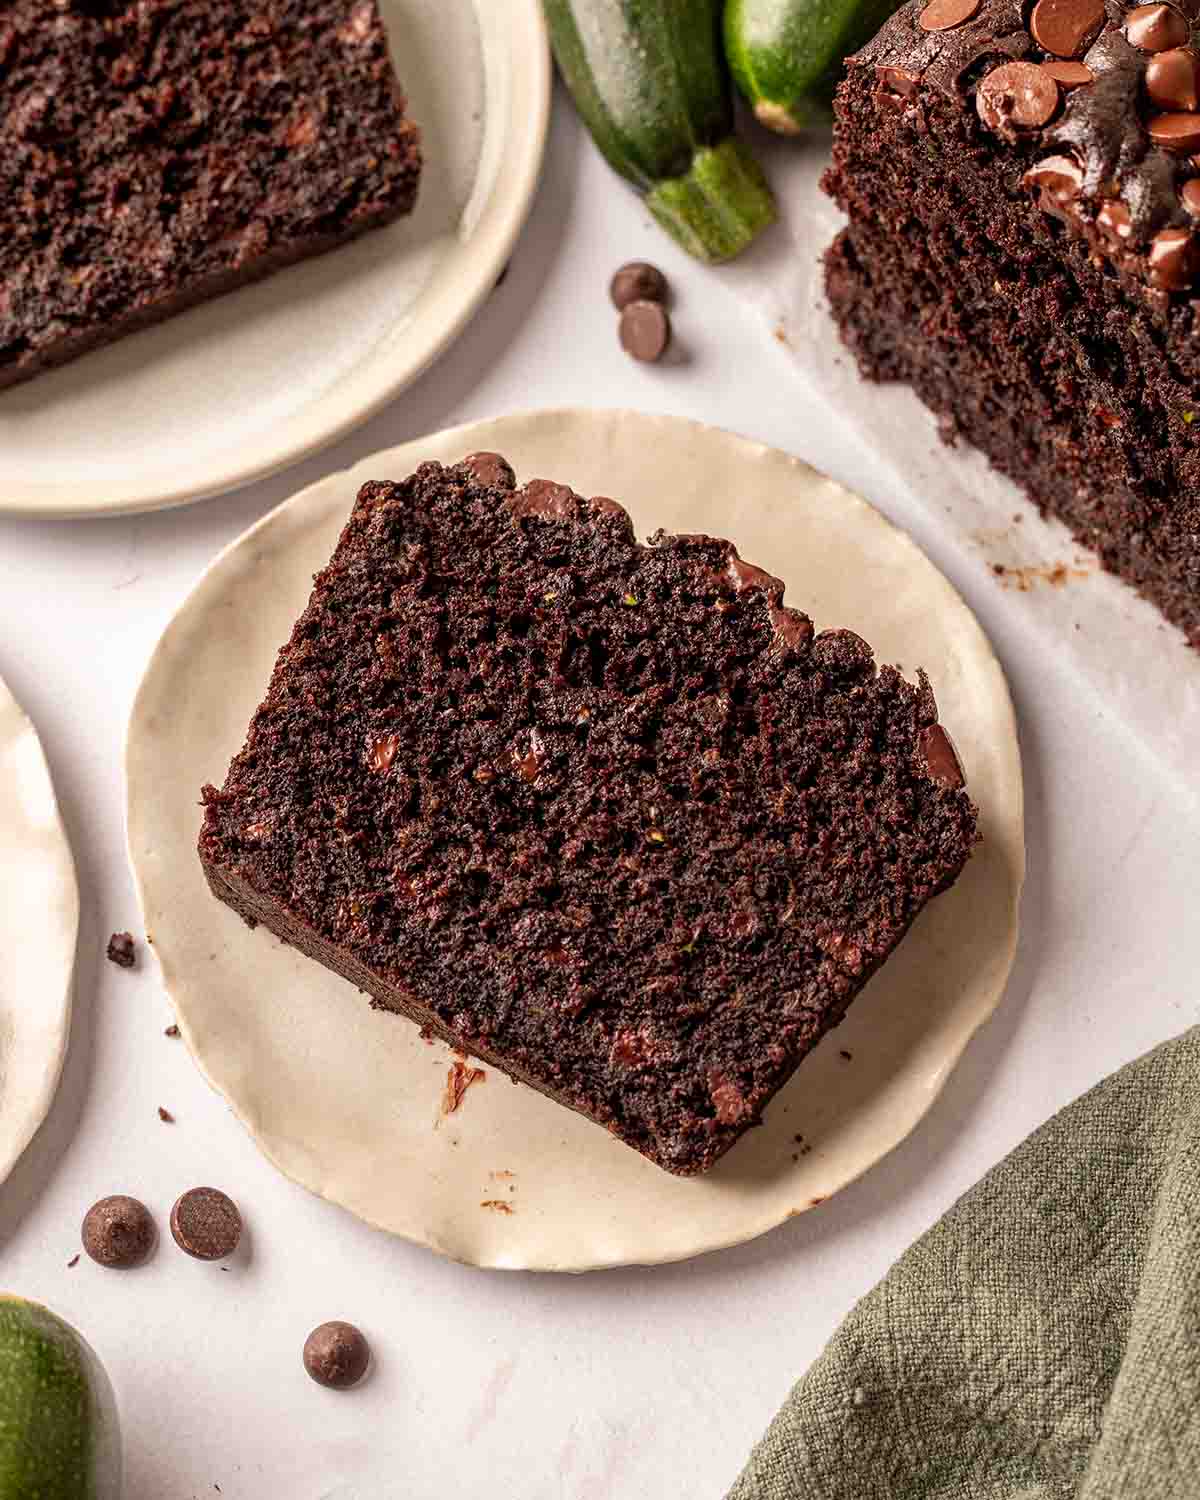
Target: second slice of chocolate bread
[{"x": 609, "y": 816}]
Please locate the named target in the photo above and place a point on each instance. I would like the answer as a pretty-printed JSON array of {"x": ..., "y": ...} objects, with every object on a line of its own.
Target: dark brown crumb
[
  {"x": 172, "y": 1032},
  {"x": 848, "y": 1056},
  {"x": 72, "y": 1263},
  {"x": 122, "y": 950},
  {"x": 165, "y": 1116}
]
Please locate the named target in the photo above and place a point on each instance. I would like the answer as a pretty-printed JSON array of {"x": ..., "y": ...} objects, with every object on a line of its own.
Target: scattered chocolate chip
[
  {"x": 336, "y": 1355},
  {"x": 645, "y": 330},
  {"x": 638, "y": 282},
  {"x": 1115, "y": 220},
  {"x": 1173, "y": 79},
  {"x": 1156, "y": 28},
  {"x": 1174, "y": 259},
  {"x": 172, "y": 1031},
  {"x": 206, "y": 1224},
  {"x": 1017, "y": 95},
  {"x": 118, "y": 1232},
  {"x": 122, "y": 950},
  {"x": 1057, "y": 180},
  {"x": 491, "y": 469},
  {"x": 1066, "y": 27},
  {"x": 1069, "y": 75},
  {"x": 898, "y": 81},
  {"x": 846, "y": 1056},
  {"x": 73, "y": 1262},
  {"x": 943, "y": 15},
  {"x": 941, "y": 758},
  {"x": 1178, "y": 132},
  {"x": 1189, "y": 196},
  {"x": 165, "y": 1116}
]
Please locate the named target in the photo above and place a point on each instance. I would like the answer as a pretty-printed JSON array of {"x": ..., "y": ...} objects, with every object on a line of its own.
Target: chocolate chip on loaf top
[
  {"x": 610, "y": 816},
  {"x": 1103, "y": 98}
]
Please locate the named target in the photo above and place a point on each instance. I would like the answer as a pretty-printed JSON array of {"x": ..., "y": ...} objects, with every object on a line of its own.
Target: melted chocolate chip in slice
[{"x": 1174, "y": 259}]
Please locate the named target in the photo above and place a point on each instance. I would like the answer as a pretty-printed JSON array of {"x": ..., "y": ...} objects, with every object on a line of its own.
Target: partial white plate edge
[
  {"x": 21, "y": 1120},
  {"x": 469, "y": 435},
  {"x": 357, "y": 398}
]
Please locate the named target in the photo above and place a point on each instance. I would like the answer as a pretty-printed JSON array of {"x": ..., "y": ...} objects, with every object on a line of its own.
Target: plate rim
[
  {"x": 907, "y": 1120},
  {"x": 38, "y": 1107},
  {"x": 334, "y": 415}
]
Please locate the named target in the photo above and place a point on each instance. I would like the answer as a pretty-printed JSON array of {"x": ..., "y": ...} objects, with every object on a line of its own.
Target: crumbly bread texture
[
  {"x": 156, "y": 153},
  {"x": 609, "y": 816}
]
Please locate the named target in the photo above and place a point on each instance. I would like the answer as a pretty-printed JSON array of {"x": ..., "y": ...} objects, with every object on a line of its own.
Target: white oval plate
[
  {"x": 39, "y": 925},
  {"x": 346, "y": 1100},
  {"x": 243, "y": 385}
]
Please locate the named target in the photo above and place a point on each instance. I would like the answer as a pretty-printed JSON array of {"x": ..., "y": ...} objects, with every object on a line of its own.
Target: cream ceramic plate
[
  {"x": 250, "y": 382},
  {"x": 39, "y": 923},
  {"x": 348, "y": 1101}
]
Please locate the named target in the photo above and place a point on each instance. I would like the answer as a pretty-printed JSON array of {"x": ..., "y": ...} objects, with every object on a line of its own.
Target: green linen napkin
[{"x": 1042, "y": 1342}]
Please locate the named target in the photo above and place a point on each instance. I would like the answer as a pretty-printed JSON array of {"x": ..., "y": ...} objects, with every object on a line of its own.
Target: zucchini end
[
  {"x": 719, "y": 206},
  {"x": 777, "y": 117}
]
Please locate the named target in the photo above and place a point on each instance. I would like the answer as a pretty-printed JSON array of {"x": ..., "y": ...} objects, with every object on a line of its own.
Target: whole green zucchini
[
  {"x": 787, "y": 55},
  {"x": 650, "y": 81}
]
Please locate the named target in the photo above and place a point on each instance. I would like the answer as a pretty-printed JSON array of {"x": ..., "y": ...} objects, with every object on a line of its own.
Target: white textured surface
[
  {"x": 280, "y": 1036},
  {"x": 241, "y": 385},
  {"x": 39, "y": 920},
  {"x": 622, "y": 1384}
]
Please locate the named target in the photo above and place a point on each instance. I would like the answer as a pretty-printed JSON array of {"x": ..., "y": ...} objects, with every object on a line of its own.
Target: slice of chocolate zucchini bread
[
  {"x": 155, "y": 153},
  {"x": 1023, "y": 187},
  {"x": 608, "y": 816}
]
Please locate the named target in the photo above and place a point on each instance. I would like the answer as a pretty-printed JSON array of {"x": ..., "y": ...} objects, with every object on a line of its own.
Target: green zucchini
[
  {"x": 787, "y": 55},
  {"x": 650, "y": 81}
]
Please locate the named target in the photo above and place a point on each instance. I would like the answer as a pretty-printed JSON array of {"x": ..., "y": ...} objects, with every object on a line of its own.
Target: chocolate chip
[
  {"x": 1069, "y": 75},
  {"x": 1115, "y": 220},
  {"x": 1156, "y": 28},
  {"x": 545, "y": 500},
  {"x": 492, "y": 470},
  {"x": 941, "y": 758},
  {"x": 1174, "y": 259},
  {"x": 122, "y": 950},
  {"x": 1175, "y": 132},
  {"x": 1173, "y": 79},
  {"x": 1017, "y": 95},
  {"x": 118, "y": 1232},
  {"x": 205, "y": 1224},
  {"x": 638, "y": 282},
  {"x": 899, "y": 81},
  {"x": 165, "y": 1116},
  {"x": 645, "y": 330},
  {"x": 336, "y": 1355},
  {"x": 172, "y": 1031},
  {"x": 942, "y": 15},
  {"x": 1057, "y": 180},
  {"x": 1066, "y": 27},
  {"x": 1189, "y": 196}
]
